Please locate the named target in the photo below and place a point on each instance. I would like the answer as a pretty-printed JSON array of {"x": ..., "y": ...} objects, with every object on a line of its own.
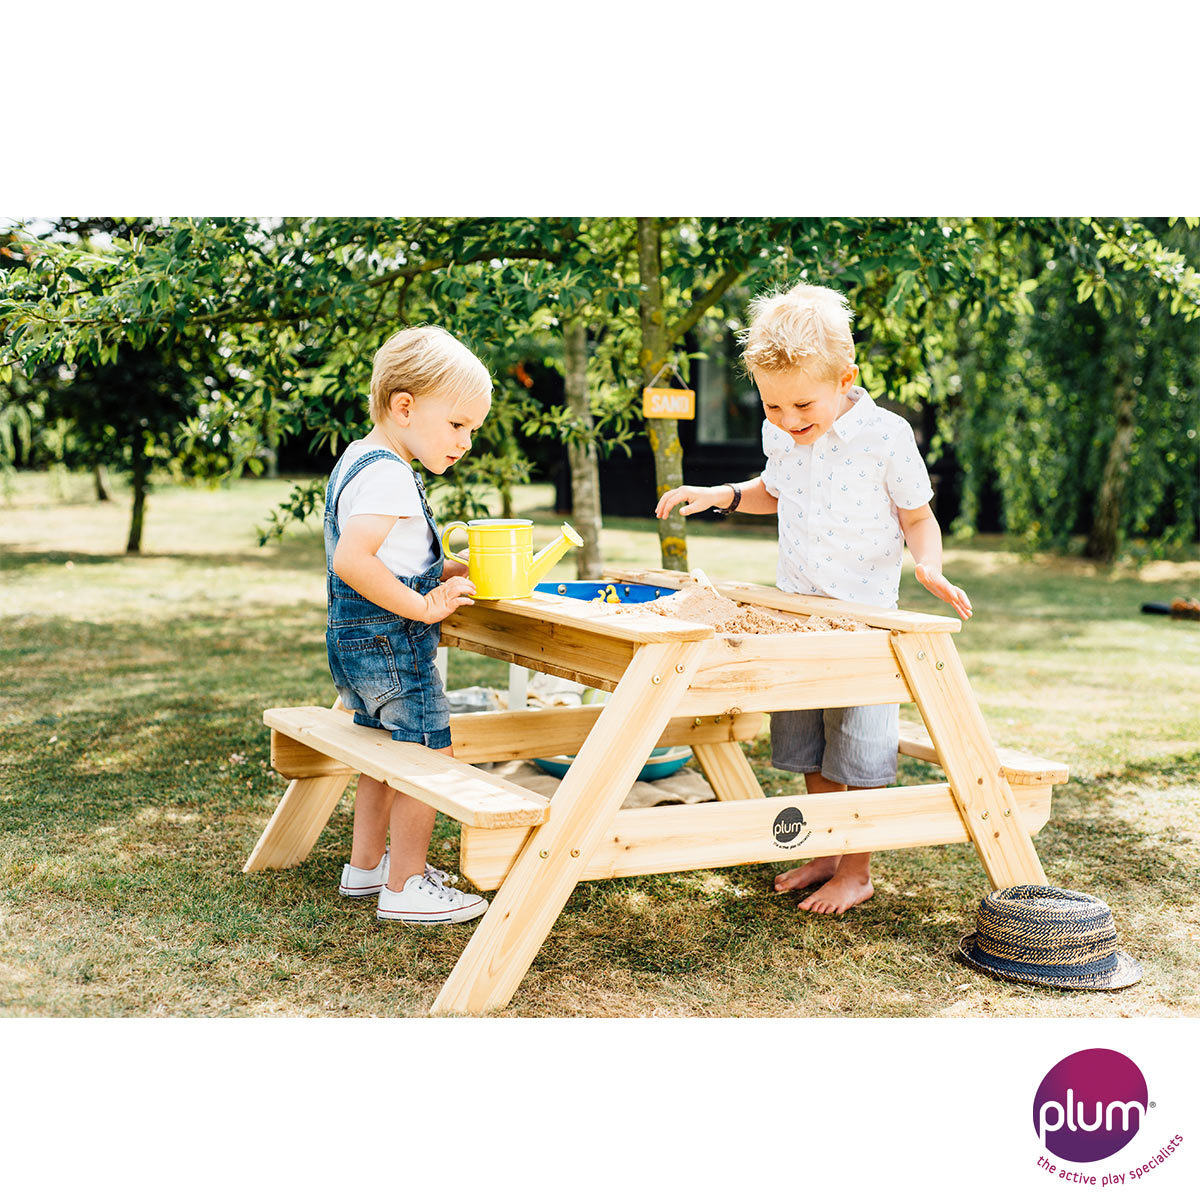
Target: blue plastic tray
[{"x": 597, "y": 589}]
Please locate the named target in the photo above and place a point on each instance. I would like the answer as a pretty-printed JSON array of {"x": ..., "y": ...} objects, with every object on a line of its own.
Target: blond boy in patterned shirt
[{"x": 848, "y": 483}]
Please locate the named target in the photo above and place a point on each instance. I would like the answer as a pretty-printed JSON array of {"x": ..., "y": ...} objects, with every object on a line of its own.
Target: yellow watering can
[{"x": 500, "y": 557}]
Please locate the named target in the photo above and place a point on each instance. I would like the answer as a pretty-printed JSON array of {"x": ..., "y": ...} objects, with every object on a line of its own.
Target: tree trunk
[
  {"x": 583, "y": 457},
  {"x": 662, "y": 434},
  {"x": 103, "y": 487},
  {"x": 1105, "y": 538},
  {"x": 508, "y": 509},
  {"x": 141, "y": 471}
]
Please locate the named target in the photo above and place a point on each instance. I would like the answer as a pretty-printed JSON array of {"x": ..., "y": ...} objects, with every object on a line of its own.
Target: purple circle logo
[{"x": 1090, "y": 1105}]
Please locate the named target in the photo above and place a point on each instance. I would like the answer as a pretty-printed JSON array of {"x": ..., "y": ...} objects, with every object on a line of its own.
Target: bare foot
[
  {"x": 809, "y": 875},
  {"x": 839, "y": 894}
]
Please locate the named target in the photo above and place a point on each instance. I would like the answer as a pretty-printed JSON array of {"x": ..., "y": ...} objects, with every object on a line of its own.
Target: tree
[
  {"x": 295, "y": 308},
  {"x": 582, "y": 454},
  {"x": 1088, "y": 382},
  {"x": 129, "y": 410}
]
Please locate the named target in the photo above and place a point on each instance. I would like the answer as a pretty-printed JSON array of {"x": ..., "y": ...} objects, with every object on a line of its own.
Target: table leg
[
  {"x": 728, "y": 770},
  {"x": 939, "y": 685},
  {"x": 549, "y": 866},
  {"x": 299, "y": 818},
  {"x": 297, "y": 821}
]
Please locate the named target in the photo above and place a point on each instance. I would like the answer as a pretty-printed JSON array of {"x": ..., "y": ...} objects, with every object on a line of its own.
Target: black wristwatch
[{"x": 737, "y": 499}]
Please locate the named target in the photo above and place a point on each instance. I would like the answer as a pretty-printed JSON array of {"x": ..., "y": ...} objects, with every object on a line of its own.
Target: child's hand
[
  {"x": 452, "y": 569},
  {"x": 941, "y": 587},
  {"x": 697, "y": 500},
  {"x": 447, "y": 598}
]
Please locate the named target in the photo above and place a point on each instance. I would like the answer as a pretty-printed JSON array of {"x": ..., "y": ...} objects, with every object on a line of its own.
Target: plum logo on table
[
  {"x": 1090, "y": 1105},
  {"x": 788, "y": 827}
]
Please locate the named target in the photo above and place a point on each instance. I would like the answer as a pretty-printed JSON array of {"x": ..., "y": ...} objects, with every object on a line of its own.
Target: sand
[{"x": 704, "y": 607}]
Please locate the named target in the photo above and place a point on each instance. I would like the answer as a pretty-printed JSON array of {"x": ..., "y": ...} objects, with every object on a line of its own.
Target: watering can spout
[{"x": 547, "y": 557}]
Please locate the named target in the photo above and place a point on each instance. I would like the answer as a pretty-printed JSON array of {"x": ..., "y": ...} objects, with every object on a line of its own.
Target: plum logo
[
  {"x": 789, "y": 829},
  {"x": 1090, "y": 1105}
]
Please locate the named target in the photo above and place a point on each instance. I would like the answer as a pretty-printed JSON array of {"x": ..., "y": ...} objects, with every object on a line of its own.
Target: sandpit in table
[{"x": 673, "y": 683}]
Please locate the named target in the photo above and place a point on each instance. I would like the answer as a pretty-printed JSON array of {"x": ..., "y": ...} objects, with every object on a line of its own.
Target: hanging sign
[{"x": 677, "y": 403}]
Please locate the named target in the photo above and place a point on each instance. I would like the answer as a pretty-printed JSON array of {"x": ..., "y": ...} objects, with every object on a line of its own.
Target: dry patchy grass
[{"x": 134, "y": 782}]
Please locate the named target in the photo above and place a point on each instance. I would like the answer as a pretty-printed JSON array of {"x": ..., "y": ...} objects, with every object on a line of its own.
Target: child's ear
[
  {"x": 849, "y": 376},
  {"x": 400, "y": 406}
]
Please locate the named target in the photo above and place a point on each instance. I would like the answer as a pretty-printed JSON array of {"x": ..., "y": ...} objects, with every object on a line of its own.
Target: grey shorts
[{"x": 854, "y": 746}]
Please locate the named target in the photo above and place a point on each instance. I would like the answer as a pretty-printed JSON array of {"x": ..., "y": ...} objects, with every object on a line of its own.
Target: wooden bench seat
[
  {"x": 1018, "y": 767},
  {"x": 321, "y": 749},
  {"x": 455, "y": 788},
  {"x": 312, "y": 742}
]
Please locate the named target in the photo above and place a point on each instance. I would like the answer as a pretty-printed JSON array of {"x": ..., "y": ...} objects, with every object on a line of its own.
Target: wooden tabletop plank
[
  {"x": 637, "y": 628},
  {"x": 789, "y": 602}
]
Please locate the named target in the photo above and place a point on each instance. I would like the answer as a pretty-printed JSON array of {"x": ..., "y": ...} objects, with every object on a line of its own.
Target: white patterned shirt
[{"x": 839, "y": 532}]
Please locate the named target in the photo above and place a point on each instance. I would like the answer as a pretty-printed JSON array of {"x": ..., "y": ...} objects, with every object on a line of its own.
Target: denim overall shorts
[{"x": 382, "y": 664}]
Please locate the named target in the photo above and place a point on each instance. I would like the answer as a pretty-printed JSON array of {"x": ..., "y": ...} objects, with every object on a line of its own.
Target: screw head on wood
[
  {"x": 696, "y": 721},
  {"x": 940, "y": 665},
  {"x": 920, "y": 653},
  {"x": 543, "y": 853},
  {"x": 1008, "y": 812},
  {"x": 656, "y": 679},
  {"x": 574, "y": 853},
  {"x": 679, "y": 668},
  {"x": 985, "y": 814}
]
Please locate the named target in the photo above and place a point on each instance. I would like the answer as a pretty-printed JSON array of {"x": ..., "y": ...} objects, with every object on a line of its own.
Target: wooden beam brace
[
  {"x": 674, "y": 837},
  {"x": 544, "y": 732}
]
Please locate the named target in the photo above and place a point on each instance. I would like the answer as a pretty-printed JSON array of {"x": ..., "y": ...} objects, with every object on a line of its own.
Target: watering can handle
[{"x": 446, "y": 538}]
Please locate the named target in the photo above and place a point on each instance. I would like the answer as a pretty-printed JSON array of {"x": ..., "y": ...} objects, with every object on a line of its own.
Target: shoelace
[
  {"x": 441, "y": 890},
  {"x": 441, "y": 878}
]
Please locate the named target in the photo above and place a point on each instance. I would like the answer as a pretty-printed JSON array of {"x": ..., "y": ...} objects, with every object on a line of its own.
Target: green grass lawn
[{"x": 134, "y": 781}]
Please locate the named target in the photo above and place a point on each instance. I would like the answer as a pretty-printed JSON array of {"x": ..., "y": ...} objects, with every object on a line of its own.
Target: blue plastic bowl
[
  {"x": 597, "y": 589},
  {"x": 659, "y": 765}
]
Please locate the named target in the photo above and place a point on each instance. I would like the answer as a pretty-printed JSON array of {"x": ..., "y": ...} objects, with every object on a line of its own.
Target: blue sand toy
[{"x": 614, "y": 593}]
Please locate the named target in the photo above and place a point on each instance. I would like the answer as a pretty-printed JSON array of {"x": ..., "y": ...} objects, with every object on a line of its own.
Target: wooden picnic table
[{"x": 672, "y": 683}]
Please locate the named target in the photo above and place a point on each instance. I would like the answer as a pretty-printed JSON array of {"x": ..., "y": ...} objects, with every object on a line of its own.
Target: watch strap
[{"x": 737, "y": 499}]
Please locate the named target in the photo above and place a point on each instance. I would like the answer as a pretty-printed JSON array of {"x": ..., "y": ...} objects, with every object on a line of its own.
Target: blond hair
[
  {"x": 425, "y": 359},
  {"x": 807, "y": 326}
]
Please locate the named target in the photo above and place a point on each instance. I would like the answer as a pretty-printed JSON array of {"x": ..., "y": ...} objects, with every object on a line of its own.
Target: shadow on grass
[{"x": 300, "y": 550}]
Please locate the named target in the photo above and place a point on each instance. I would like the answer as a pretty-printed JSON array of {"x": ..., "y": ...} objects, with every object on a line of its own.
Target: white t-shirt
[
  {"x": 389, "y": 487},
  {"x": 839, "y": 533}
]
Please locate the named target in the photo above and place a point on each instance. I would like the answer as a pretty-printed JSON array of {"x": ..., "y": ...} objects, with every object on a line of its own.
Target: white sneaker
[
  {"x": 359, "y": 882},
  {"x": 426, "y": 900}
]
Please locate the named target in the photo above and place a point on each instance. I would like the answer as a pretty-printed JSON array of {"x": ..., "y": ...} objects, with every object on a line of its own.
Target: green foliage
[
  {"x": 1020, "y": 356},
  {"x": 1031, "y": 414}
]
